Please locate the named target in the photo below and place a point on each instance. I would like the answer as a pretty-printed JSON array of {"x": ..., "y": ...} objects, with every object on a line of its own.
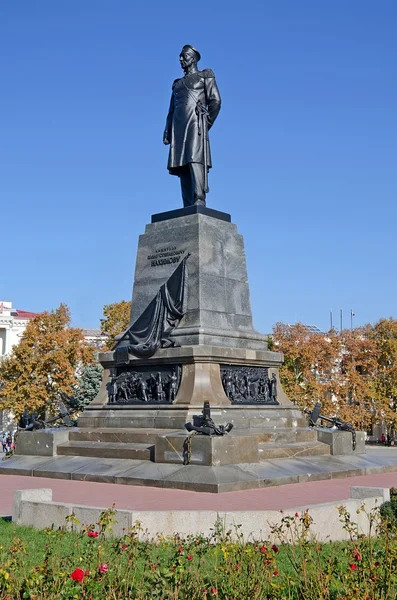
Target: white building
[
  {"x": 13, "y": 322},
  {"x": 95, "y": 338}
]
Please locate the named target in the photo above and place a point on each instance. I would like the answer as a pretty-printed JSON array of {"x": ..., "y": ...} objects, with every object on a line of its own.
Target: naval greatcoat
[{"x": 195, "y": 104}]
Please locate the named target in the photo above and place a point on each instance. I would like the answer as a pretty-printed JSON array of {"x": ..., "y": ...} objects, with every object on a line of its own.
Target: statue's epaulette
[
  {"x": 173, "y": 85},
  {"x": 208, "y": 73}
]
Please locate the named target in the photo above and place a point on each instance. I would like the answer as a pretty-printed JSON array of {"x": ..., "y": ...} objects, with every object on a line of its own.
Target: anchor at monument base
[{"x": 205, "y": 425}]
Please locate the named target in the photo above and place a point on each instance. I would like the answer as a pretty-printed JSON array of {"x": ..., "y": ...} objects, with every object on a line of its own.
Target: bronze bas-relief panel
[
  {"x": 249, "y": 385},
  {"x": 154, "y": 384}
]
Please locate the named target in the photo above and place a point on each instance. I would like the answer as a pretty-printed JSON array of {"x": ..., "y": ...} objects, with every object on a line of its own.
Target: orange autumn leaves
[
  {"x": 116, "y": 320},
  {"x": 352, "y": 373},
  {"x": 44, "y": 363}
]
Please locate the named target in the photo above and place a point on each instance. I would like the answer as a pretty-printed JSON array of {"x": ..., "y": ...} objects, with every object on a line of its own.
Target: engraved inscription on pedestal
[
  {"x": 170, "y": 255},
  {"x": 157, "y": 384},
  {"x": 249, "y": 385}
]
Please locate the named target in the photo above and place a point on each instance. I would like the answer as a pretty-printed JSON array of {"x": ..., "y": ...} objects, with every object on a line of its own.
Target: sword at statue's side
[{"x": 205, "y": 128}]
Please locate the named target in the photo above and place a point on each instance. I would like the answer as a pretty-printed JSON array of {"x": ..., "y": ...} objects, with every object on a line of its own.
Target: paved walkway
[{"x": 151, "y": 499}]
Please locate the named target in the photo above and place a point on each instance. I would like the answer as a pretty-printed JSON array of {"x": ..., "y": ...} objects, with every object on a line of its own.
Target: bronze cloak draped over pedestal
[{"x": 153, "y": 328}]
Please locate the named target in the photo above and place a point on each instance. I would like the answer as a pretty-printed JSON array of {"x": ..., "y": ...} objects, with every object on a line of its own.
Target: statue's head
[{"x": 188, "y": 56}]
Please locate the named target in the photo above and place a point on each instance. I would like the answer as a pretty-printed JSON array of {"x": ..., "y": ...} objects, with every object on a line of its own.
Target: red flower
[
  {"x": 296, "y": 515},
  {"x": 180, "y": 550},
  {"x": 190, "y": 557},
  {"x": 103, "y": 568},
  {"x": 93, "y": 534},
  {"x": 237, "y": 565},
  {"x": 274, "y": 548},
  {"x": 262, "y": 549},
  {"x": 124, "y": 547},
  {"x": 87, "y": 573},
  {"x": 213, "y": 591},
  {"x": 318, "y": 548},
  {"x": 357, "y": 555},
  {"x": 275, "y": 573},
  {"x": 377, "y": 564},
  {"x": 77, "y": 575},
  {"x": 353, "y": 567}
]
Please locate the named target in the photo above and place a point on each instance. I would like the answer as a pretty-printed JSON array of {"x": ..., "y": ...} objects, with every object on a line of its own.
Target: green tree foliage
[
  {"x": 89, "y": 381},
  {"x": 116, "y": 320},
  {"x": 44, "y": 364}
]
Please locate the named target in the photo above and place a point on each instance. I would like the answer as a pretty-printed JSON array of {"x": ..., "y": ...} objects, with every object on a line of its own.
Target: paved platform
[
  {"x": 203, "y": 479},
  {"x": 149, "y": 499},
  {"x": 38, "y": 508}
]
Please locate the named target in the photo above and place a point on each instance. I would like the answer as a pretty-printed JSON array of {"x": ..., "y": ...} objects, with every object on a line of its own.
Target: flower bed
[{"x": 85, "y": 562}]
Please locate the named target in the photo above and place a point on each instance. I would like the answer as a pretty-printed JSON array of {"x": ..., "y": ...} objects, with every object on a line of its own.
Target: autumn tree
[
  {"x": 336, "y": 369},
  {"x": 355, "y": 377},
  {"x": 116, "y": 320},
  {"x": 384, "y": 335},
  {"x": 309, "y": 358},
  {"x": 44, "y": 364}
]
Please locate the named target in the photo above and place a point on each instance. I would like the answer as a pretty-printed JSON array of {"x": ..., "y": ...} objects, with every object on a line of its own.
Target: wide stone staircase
[
  {"x": 287, "y": 450},
  {"x": 280, "y": 435}
]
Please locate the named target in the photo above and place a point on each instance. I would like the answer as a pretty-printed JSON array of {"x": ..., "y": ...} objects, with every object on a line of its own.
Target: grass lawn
[{"x": 88, "y": 563}]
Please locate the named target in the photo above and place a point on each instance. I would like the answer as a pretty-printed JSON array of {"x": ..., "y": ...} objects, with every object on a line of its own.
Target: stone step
[
  {"x": 242, "y": 417},
  {"x": 149, "y": 435},
  {"x": 112, "y": 434},
  {"x": 107, "y": 450},
  {"x": 264, "y": 422},
  {"x": 285, "y": 435},
  {"x": 296, "y": 450}
]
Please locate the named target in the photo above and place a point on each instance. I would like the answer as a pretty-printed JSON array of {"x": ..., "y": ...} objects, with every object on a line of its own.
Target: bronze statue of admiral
[{"x": 195, "y": 104}]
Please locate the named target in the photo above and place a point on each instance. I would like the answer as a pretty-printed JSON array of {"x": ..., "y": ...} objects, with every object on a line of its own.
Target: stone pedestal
[
  {"x": 218, "y": 356},
  {"x": 218, "y": 300},
  {"x": 208, "y": 450},
  {"x": 42, "y": 442},
  {"x": 340, "y": 442}
]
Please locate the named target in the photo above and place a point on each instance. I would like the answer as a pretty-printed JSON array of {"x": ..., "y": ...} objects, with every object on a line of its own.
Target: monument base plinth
[
  {"x": 42, "y": 442},
  {"x": 341, "y": 442},
  {"x": 201, "y": 369},
  {"x": 213, "y": 451}
]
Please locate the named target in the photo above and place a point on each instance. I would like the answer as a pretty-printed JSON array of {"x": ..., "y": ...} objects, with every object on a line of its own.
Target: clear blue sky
[{"x": 304, "y": 149}]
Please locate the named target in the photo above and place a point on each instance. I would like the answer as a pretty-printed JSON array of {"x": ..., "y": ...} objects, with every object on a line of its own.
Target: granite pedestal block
[
  {"x": 218, "y": 300},
  {"x": 40, "y": 443},
  {"x": 340, "y": 442},
  {"x": 208, "y": 450}
]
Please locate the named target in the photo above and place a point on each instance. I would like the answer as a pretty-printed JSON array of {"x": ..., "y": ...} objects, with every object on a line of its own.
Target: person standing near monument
[{"x": 195, "y": 104}]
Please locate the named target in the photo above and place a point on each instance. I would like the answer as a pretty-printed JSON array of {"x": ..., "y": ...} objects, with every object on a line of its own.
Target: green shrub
[{"x": 388, "y": 511}]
